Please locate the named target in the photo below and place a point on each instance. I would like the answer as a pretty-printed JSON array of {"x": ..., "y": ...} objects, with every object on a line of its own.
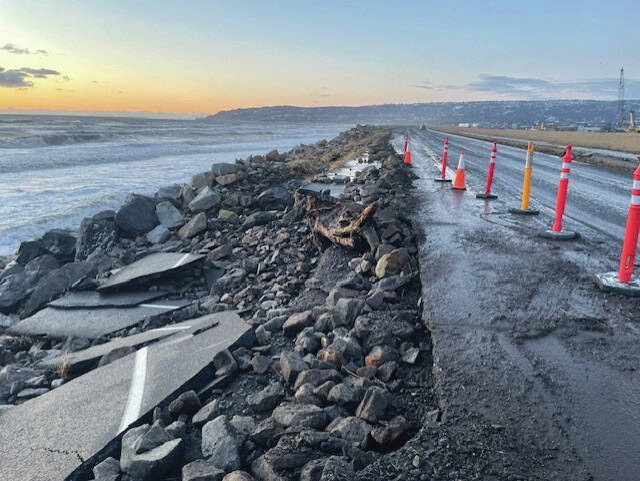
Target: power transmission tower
[{"x": 620, "y": 114}]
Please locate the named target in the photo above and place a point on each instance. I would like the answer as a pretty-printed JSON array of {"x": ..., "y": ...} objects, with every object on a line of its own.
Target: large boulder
[
  {"x": 221, "y": 444},
  {"x": 95, "y": 232},
  {"x": 55, "y": 283},
  {"x": 39, "y": 267},
  {"x": 13, "y": 289},
  {"x": 168, "y": 215},
  {"x": 29, "y": 250},
  {"x": 205, "y": 200},
  {"x": 59, "y": 243},
  {"x": 137, "y": 216},
  {"x": 274, "y": 198}
]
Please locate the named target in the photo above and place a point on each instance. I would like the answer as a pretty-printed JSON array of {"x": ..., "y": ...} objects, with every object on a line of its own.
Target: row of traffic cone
[{"x": 622, "y": 281}]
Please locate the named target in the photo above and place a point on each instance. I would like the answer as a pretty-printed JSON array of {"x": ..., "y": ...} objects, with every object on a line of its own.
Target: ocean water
[{"x": 54, "y": 171}]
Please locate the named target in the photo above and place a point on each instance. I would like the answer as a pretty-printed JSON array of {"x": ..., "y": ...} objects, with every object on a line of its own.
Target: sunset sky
[{"x": 204, "y": 56}]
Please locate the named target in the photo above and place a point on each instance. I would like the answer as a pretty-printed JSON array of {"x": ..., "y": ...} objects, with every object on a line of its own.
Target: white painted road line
[
  {"x": 136, "y": 391},
  {"x": 171, "y": 328},
  {"x": 157, "y": 306},
  {"x": 182, "y": 259}
]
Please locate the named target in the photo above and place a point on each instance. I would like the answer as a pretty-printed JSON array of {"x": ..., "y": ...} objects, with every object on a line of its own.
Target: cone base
[
  {"x": 518, "y": 211},
  {"x": 608, "y": 282},
  {"x": 562, "y": 235},
  {"x": 486, "y": 196},
  {"x": 458, "y": 188},
  {"x": 440, "y": 179}
]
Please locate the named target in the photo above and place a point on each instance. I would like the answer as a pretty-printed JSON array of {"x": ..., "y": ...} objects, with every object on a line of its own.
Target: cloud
[
  {"x": 13, "y": 48},
  {"x": 531, "y": 88},
  {"x": 21, "y": 78}
]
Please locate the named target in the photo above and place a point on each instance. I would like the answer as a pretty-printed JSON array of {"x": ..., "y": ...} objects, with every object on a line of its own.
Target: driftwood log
[{"x": 343, "y": 224}]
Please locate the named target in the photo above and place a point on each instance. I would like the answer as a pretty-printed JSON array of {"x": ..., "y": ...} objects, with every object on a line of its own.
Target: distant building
[{"x": 463, "y": 124}]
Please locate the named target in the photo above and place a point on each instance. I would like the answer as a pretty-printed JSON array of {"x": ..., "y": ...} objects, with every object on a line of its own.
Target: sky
[{"x": 194, "y": 57}]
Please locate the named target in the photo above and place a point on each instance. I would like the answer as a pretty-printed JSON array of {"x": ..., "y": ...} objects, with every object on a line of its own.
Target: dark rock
[
  {"x": 128, "y": 444},
  {"x": 264, "y": 431},
  {"x": 13, "y": 289},
  {"x": 186, "y": 403},
  {"x": 168, "y": 215},
  {"x": 380, "y": 355},
  {"x": 99, "y": 231},
  {"x": 296, "y": 322},
  {"x": 206, "y": 413},
  {"x": 274, "y": 198},
  {"x": 37, "y": 268},
  {"x": 29, "y": 250},
  {"x": 258, "y": 218},
  {"x": 347, "y": 310},
  {"x": 337, "y": 468},
  {"x": 300, "y": 415},
  {"x": 137, "y": 216},
  {"x": 345, "y": 395},
  {"x": 205, "y": 200},
  {"x": 170, "y": 193},
  {"x": 221, "y": 445},
  {"x": 351, "y": 429},
  {"x": 227, "y": 179},
  {"x": 260, "y": 363},
  {"x": 153, "y": 464},
  {"x": 154, "y": 437},
  {"x": 60, "y": 243},
  {"x": 238, "y": 476},
  {"x": 220, "y": 252},
  {"x": 201, "y": 470},
  {"x": 374, "y": 404},
  {"x": 158, "y": 235},
  {"x": 192, "y": 228},
  {"x": 106, "y": 468},
  {"x": 291, "y": 365},
  {"x": 266, "y": 399},
  {"x": 224, "y": 363},
  {"x": 315, "y": 377},
  {"x": 388, "y": 436},
  {"x": 201, "y": 180},
  {"x": 312, "y": 471},
  {"x": 305, "y": 395},
  {"x": 223, "y": 168},
  {"x": 55, "y": 283}
]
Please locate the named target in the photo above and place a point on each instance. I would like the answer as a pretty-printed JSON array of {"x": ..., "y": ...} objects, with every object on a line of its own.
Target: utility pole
[{"x": 620, "y": 113}]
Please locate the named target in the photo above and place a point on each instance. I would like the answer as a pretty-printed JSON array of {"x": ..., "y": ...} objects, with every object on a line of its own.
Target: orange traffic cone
[
  {"x": 407, "y": 153},
  {"x": 458, "y": 183}
]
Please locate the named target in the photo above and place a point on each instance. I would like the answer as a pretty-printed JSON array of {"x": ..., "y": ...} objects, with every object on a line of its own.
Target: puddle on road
[
  {"x": 334, "y": 179},
  {"x": 604, "y": 406}
]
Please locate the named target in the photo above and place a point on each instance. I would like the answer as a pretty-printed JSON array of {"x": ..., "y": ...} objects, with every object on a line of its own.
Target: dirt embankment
[{"x": 554, "y": 143}]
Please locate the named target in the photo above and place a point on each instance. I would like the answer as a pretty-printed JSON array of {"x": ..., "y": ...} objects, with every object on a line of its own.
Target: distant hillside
[{"x": 494, "y": 113}]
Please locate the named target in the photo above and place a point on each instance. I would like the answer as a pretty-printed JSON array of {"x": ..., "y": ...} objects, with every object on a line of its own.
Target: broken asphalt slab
[
  {"x": 82, "y": 361},
  {"x": 86, "y": 299},
  {"x": 46, "y": 438},
  {"x": 149, "y": 267},
  {"x": 90, "y": 323}
]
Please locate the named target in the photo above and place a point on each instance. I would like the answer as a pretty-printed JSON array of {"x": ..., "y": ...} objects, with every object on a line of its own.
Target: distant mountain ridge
[{"x": 493, "y": 113}]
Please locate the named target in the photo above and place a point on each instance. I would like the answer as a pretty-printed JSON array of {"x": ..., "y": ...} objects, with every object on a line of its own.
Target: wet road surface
[
  {"x": 530, "y": 357},
  {"x": 598, "y": 196}
]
